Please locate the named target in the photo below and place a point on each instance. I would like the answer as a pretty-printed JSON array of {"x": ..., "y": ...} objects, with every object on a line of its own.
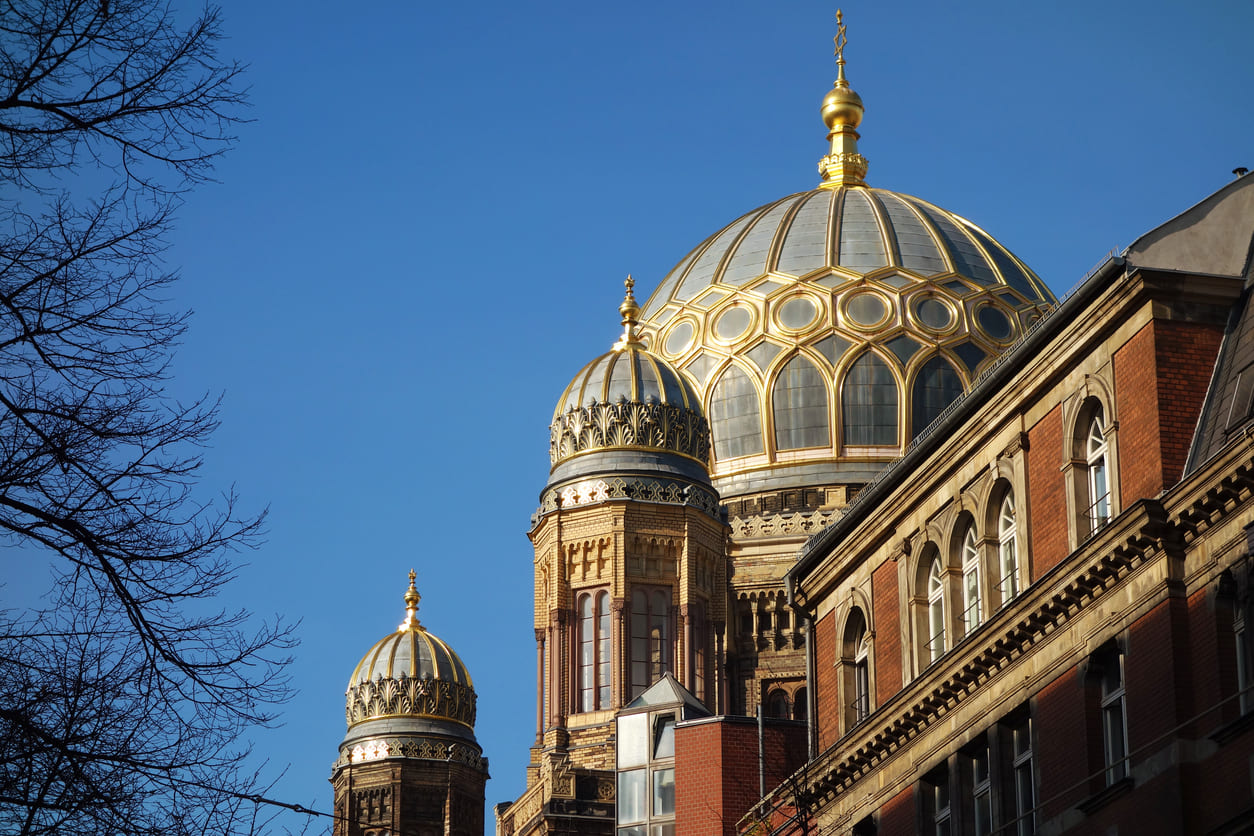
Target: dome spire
[
  {"x": 842, "y": 113},
  {"x": 631, "y": 318},
  {"x": 411, "y": 606}
]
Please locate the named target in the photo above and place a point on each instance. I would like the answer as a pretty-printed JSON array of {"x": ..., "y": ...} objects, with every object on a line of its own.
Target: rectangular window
[
  {"x": 861, "y": 686},
  {"x": 1244, "y": 697},
  {"x": 1114, "y": 721},
  {"x": 936, "y": 801},
  {"x": 1024, "y": 791},
  {"x": 632, "y": 806},
  {"x": 981, "y": 792}
]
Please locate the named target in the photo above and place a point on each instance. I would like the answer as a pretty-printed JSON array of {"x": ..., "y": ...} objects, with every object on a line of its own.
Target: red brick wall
[
  {"x": 1061, "y": 743},
  {"x": 827, "y": 701},
  {"x": 1185, "y": 353},
  {"x": 887, "y": 617},
  {"x": 897, "y": 817},
  {"x": 1157, "y": 677},
  {"x": 716, "y": 770},
  {"x": 1047, "y": 503},
  {"x": 1136, "y": 393}
]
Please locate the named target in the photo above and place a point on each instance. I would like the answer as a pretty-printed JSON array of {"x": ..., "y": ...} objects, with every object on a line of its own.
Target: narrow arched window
[
  {"x": 799, "y": 402},
  {"x": 855, "y": 663},
  {"x": 970, "y": 580},
  {"x": 868, "y": 403},
  {"x": 936, "y": 387},
  {"x": 651, "y": 640},
  {"x": 595, "y": 669},
  {"x": 1007, "y": 548},
  {"x": 777, "y": 704},
  {"x": 936, "y": 610},
  {"x": 735, "y": 416},
  {"x": 1095, "y": 454}
]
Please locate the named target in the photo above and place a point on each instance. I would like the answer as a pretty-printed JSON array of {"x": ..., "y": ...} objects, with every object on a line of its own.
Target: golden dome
[{"x": 410, "y": 673}]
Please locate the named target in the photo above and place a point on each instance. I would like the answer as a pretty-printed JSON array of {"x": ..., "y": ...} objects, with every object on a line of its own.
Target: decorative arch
[
  {"x": 855, "y": 669},
  {"x": 800, "y": 405},
  {"x": 1008, "y": 573},
  {"x": 735, "y": 411},
  {"x": 967, "y": 558},
  {"x": 869, "y": 403},
  {"x": 931, "y": 605}
]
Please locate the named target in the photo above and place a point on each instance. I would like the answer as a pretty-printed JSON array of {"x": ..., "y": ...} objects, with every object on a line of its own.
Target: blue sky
[{"x": 423, "y": 235}]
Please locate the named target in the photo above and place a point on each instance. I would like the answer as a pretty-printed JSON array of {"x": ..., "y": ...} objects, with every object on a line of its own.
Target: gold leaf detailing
[
  {"x": 405, "y": 695},
  {"x": 661, "y": 426}
]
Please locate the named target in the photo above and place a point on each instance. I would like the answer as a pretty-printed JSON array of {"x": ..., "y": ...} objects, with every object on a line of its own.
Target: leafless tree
[{"x": 122, "y": 699}]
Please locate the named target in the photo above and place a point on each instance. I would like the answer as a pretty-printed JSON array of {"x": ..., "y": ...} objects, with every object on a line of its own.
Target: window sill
[
  {"x": 1099, "y": 800},
  {"x": 1234, "y": 729}
]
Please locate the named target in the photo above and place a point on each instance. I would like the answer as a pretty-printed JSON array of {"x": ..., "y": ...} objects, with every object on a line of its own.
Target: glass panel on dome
[
  {"x": 896, "y": 280},
  {"x": 832, "y": 347},
  {"x": 861, "y": 244},
  {"x": 732, "y": 323},
  {"x": 995, "y": 322},
  {"x": 763, "y": 353},
  {"x": 663, "y": 293},
  {"x": 933, "y": 313},
  {"x": 749, "y": 260},
  {"x": 805, "y": 244},
  {"x": 903, "y": 347},
  {"x": 970, "y": 354},
  {"x": 869, "y": 403},
  {"x": 797, "y": 313},
  {"x": 735, "y": 416},
  {"x": 700, "y": 366},
  {"x": 648, "y": 379},
  {"x": 1010, "y": 270},
  {"x": 800, "y": 406},
  {"x": 702, "y": 273},
  {"x": 919, "y": 250},
  {"x": 936, "y": 387},
  {"x": 958, "y": 288},
  {"x": 867, "y": 309},
  {"x": 967, "y": 258},
  {"x": 710, "y": 298},
  {"x": 680, "y": 337}
]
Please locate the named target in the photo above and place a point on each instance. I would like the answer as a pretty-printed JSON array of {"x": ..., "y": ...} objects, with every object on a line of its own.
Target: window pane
[
  {"x": 936, "y": 387},
  {"x": 800, "y": 406},
  {"x": 869, "y": 403},
  {"x": 735, "y": 416},
  {"x": 633, "y": 740},
  {"x": 631, "y": 796},
  {"x": 663, "y": 792},
  {"x": 664, "y": 736}
]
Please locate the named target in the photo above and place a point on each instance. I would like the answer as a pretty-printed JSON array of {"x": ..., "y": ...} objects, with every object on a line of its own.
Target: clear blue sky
[{"x": 423, "y": 236}]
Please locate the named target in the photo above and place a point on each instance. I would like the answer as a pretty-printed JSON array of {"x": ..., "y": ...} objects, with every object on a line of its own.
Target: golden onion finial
[
  {"x": 631, "y": 318},
  {"x": 842, "y": 113},
  {"x": 411, "y": 605}
]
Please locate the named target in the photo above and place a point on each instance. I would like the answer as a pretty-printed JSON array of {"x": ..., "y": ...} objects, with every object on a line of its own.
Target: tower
[
  {"x": 409, "y": 763},
  {"x": 629, "y": 571}
]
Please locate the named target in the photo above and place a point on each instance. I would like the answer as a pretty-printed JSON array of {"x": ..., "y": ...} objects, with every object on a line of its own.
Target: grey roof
[{"x": 669, "y": 691}]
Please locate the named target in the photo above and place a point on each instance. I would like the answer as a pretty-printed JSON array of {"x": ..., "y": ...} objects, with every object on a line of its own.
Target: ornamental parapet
[
  {"x": 411, "y": 748},
  {"x": 630, "y": 424},
  {"x": 407, "y": 696},
  {"x": 661, "y": 491}
]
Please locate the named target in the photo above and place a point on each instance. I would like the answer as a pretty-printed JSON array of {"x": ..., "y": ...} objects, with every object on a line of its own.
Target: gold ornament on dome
[{"x": 842, "y": 112}]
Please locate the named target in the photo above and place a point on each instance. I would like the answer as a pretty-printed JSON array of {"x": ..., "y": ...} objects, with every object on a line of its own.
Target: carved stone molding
[
  {"x": 663, "y": 491},
  {"x": 411, "y": 748},
  {"x": 404, "y": 695},
  {"x": 775, "y": 525},
  {"x": 627, "y": 424}
]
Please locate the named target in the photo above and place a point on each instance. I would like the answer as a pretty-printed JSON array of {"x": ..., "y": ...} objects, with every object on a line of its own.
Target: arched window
[
  {"x": 800, "y": 705},
  {"x": 868, "y": 403},
  {"x": 935, "y": 610},
  {"x": 856, "y": 665},
  {"x": 595, "y": 669},
  {"x": 936, "y": 387},
  {"x": 971, "y": 611},
  {"x": 799, "y": 402},
  {"x": 1095, "y": 454},
  {"x": 1007, "y": 548},
  {"x": 735, "y": 416},
  {"x": 777, "y": 704},
  {"x": 650, "y": 637}
]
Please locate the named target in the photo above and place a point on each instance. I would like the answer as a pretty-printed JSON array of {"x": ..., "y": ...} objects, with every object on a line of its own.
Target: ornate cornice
[
  {"x": 408, "y": 697},
  {"x": 664, "y": 491},
  {"x": 782, "y": 525},
  {"x": 411, "y": 747},
  {"x": 630, "y": 425}
]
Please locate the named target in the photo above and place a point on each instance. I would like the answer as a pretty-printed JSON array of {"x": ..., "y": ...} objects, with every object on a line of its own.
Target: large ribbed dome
[{"x": 826, "y": 329}]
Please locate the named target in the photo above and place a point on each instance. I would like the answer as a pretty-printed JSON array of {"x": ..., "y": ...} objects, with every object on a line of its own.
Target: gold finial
[
  {"x": 411, "y": 606},
  {"x": 631, "y": 318},
  {"x": 842, "y": 113},
  {"x": 840, "y": 40}
]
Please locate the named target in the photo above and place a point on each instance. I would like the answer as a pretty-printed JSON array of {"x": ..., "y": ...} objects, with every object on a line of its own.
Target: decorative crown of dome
[
  {"x": 411, "y": 673},
  {"x": 629, "y": 399}
]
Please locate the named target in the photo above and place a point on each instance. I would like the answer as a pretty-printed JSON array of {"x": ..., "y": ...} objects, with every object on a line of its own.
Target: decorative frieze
[
  {"x": 662, "y": 491},
  {"x": 403, "y": 695},
  {"x": 411, "y": 747},
  {"x": 630, "y": 424}
]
